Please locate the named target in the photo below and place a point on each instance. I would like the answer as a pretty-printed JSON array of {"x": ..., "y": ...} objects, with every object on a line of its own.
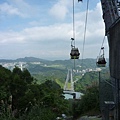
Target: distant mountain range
[
  {"x": 85, "y": 63},
  {"x": 25, "y": 59},
  {"x": 53, "y": 70}
]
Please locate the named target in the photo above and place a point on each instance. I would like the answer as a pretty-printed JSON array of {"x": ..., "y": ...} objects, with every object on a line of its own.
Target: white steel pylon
[{"x": 69, "y": 79}]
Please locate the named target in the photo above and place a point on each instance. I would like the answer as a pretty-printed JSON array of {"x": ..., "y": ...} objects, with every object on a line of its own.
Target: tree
[
  {"x": 19, "y": 87},
  {"x": 5, "y": 75},
  {"x": 28, "y": 97},
  {"x": 89, "y": 102}
]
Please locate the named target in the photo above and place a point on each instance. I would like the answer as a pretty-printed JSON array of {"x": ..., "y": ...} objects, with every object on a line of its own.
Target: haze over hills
[
  {"x": 53, "y": 70},
  {"x": 25, "y": 59},
  {"x": 36, "y": 65},
  {"x": 34, "y": 59}
]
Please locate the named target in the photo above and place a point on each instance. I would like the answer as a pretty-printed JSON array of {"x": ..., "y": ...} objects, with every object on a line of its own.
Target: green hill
[
  {"x": 55, "y": 70},
  {"x": 91, "y": 78}
]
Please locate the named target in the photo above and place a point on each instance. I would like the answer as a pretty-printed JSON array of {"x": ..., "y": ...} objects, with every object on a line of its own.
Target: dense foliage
[
  {"x": 89, "y": 103},
  {"x": 21, "y": 98},
  {"x": 90, "y": 78}
]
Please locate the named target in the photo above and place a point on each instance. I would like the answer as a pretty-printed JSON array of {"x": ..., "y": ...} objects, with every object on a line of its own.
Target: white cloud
[
  {"x": 18, "y": 8},
  {"x": 43, "y": 33},
  {"x": 95, "y": 25},
  {"x": 25, "y": 8},
  {"x": 60, "y": 9},
  {"x": 11, "y": 37},
  {"x": 53, "y": 41},
  {"x": 9, "y": 9}
]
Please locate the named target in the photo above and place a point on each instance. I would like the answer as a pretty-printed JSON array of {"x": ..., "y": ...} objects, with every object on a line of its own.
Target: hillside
[
  {"x": 79, "y": 64},
  {"x": 56, "y": 70},
  {"x": 91, "y": 78}
]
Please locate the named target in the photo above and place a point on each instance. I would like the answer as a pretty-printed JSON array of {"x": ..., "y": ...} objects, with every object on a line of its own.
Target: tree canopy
[{"x": 21, "y": 96}]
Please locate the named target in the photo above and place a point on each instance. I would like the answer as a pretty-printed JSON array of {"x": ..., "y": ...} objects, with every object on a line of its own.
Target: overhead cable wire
[
  {"x": 86, "y": 19},
  {"x": 74, "y": 27},
  {"x": 74, "y": 22},
  {"x": 109, "y": 83},
  {"x": 102, "y": 45}
]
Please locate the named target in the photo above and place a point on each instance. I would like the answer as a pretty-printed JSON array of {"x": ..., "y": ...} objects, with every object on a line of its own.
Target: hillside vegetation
[
  {"x": 36, "y": 92},
  {"x": 23, "y": 99},
  {"x": 43, "y": 70},
  {"x": 91, "y": 78}
]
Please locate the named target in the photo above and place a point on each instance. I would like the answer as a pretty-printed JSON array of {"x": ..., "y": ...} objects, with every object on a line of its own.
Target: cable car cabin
[
  {"x": 101, "y": 62},
  {"x": 74, "y": 53}
]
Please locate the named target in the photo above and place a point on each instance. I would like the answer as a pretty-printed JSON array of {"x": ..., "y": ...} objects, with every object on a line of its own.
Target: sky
[{"x": 43, "y": 29}]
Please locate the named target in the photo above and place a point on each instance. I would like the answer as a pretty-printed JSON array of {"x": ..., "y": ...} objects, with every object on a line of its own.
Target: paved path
[{"x": 89, "y": 118}]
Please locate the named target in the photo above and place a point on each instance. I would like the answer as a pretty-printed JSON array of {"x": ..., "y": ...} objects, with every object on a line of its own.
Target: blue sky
[{"x": 43, "y": 28}]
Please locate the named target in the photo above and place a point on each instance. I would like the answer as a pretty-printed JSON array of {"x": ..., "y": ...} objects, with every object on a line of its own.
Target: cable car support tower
[
  {"x": 111, "y": 17},
  {"x": 69, "y": 79}
]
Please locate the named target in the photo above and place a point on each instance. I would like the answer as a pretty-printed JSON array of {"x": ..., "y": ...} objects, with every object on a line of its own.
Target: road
[{"x": 89, "y": 118}]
